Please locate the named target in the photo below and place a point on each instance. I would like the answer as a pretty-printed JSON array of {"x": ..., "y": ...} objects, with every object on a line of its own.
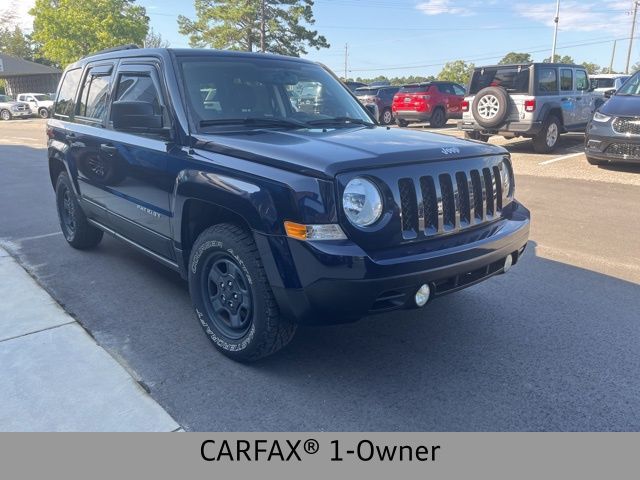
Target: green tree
[
  {"x": 592, "y": 68},
  {"x": 69, "y": 29},
  {"x": 14, "y": 42},
  {"x": 515, "y": 57},
  {"x": 559, "y": 59},
  {"x": 457, "y": 71},
  {"x": 229, "y": 24},
  {"x": 155, "y": 40}
]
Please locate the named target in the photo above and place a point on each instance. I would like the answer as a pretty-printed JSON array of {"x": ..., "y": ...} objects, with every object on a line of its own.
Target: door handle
[{"x": 108, "y": 148}]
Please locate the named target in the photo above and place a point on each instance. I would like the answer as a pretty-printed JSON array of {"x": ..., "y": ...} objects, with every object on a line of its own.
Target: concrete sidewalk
[{"x": 53, "y": 375}]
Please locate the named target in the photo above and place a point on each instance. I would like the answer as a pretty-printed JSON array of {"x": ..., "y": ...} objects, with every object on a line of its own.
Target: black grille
[
  {"x": 409, "y": 205},
  {"x": 627, "y": 125},
  {"x": 449, "y": 202},
  {"x": 624, "y": 149}
]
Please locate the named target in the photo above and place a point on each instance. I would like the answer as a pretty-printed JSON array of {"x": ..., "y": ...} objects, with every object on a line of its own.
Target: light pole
[
  {"x": 555, "y": 32},
  {"x": 633, "y": 32}
]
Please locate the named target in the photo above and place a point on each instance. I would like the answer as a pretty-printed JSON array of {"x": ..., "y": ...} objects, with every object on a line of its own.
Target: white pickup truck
[{"x": 39, "y": 102}]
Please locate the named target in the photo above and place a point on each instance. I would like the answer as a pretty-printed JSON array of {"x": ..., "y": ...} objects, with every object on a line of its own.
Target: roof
[
  {"x": 530, "y": 64},
  {"x": 127, "y": 52},
  {"x": 11, "y": 66}
]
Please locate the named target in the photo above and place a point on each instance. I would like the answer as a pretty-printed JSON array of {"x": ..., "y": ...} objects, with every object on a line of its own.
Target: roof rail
[{"x": 130, "y": 46}]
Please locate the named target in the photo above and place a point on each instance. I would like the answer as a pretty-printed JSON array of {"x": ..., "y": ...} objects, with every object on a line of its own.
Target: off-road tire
[
  {"x": 438, "y": 118},
  {"x": 268, "y": 331},
  {"x": 540, "y": 144},
  {"x": 502, "y": 98},
  {"x": 82, "y": 235},
  {"x": 476, "y": 136}
]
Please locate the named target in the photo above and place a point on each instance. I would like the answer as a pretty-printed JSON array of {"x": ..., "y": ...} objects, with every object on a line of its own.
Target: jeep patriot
[{"x": 275, "y": 215}]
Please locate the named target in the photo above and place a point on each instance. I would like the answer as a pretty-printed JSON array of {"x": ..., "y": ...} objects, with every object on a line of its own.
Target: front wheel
[
  {"x": 547, "y": 140},
  {"x": 5, "y": 115},
  {"x": 232, "y": 296}
]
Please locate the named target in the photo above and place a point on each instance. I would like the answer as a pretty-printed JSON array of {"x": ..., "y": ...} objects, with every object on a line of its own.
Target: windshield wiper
[
  {"x": 254, "y": 122},
  {"x": 340, "y": 121}
]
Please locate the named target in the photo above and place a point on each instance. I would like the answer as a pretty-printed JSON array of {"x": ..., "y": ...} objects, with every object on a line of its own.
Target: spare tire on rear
[{"x": 491, "y": 107}]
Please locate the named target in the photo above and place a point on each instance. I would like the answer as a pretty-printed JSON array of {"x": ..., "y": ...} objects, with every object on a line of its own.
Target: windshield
[
  {"x": 512, "y": 79},
  {"x": 602, "y": 82},
  {"x": 245, "y": 92},
  {"x": 41, "y": 97},
  {"x": 631, "y": 86}
]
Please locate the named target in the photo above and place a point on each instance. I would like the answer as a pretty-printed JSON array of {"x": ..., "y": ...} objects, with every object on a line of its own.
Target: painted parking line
[{"x": 558, "y": 159}]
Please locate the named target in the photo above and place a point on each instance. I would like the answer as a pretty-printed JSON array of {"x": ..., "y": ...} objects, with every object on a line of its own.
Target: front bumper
[
  {"x": 604, "y": 144},
  {"x": 21, "y": 113},
  {"x": 337, "y": 282}
]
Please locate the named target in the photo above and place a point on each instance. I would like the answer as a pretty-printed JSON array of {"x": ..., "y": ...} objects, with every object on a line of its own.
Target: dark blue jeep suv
[{"x": 275, "y": 214}]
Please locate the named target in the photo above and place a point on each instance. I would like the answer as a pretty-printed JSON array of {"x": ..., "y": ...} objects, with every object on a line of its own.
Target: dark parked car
[
  {"x": 433, "y": 102},
  {"x": 613, "y": 134},
  {"x": 353, "y": 86},
  {"x": 379, "y": 100},
  {"x": 275, "y": 215}
]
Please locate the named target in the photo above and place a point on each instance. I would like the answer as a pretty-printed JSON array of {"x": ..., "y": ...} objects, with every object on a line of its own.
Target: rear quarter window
[{"x": 65, "y": 103}]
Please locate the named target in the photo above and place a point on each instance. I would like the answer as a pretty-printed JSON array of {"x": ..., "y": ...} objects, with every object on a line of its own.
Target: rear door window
[
  {"x": 458, "y": 90},
  {"x": 95, "y": 94},
  {"x": 548, "y": 80},
  {"x": 512, "y": 79},
  {"x": 65, "y": 102},
  {"x": 566, "y": 80}
]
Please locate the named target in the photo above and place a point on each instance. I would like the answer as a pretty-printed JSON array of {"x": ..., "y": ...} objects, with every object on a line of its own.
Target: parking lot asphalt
[{"x": 552, "y": 345}]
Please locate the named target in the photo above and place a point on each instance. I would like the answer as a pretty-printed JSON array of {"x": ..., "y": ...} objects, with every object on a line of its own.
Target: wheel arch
[{"x": 552, "y": 109}]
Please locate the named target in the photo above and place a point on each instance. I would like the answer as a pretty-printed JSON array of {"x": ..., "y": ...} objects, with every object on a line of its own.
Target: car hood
[
  {"x": 622, "y": 105},
  {"x": 327, "y": 153}
]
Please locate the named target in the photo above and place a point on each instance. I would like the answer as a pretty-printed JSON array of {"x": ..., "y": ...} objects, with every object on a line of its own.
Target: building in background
[{"x": 24, "y": 76}]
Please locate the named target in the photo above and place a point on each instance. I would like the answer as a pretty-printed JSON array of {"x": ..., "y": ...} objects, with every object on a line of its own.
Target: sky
[{"x": 416, "y": 37}]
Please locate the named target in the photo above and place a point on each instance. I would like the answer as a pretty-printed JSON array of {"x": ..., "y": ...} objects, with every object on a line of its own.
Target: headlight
[
  {"x": 599, "y": 117},
  {"x": 362, "y": 202}
]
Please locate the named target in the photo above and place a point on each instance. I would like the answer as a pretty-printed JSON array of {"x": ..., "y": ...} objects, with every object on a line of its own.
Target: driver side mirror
[{"x": 136, "y": 117}]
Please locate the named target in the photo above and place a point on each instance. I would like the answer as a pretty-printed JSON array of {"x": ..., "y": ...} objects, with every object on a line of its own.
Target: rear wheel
[
  {"x": 476, "y": 136},
  {"x": 387, "y": 117},
  {"x": 43, "y": 112},
  {"x": 438, "y": 118},
  {"x": 78, "y": 232},
  {"x": 547, "y": 139},
  {"x": 232, "y": 296},
  {"x": 401, "y": 123}
]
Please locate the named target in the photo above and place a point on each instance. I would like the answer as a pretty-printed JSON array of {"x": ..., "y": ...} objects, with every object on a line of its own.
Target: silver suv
[{"x": 535, "y": 100}]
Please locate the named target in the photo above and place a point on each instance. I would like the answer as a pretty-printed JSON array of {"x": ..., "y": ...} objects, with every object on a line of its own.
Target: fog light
[
  {"x": 422, "y": 295},
  {"x": 507, "y": 263}
]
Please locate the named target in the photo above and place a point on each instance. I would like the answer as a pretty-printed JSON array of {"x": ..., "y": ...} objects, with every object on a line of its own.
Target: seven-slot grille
[
  {"x": 449, "y": 202},
  {"x": 627, "y": 125}
]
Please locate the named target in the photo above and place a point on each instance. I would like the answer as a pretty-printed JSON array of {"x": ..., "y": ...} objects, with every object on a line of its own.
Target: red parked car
[{"x": 433, "y": 102}]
